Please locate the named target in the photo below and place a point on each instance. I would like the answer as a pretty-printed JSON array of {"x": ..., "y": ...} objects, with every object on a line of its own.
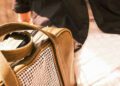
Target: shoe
[{"x": 77, "y": 46}]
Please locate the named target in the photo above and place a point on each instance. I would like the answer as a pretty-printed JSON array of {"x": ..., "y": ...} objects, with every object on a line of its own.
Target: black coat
[{"x": 73, "y": 14}]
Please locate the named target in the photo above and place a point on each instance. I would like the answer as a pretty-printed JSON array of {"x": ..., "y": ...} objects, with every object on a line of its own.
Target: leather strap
[
  {"x": 15, "y": 53},
  {"x": 6, "y": 73}
]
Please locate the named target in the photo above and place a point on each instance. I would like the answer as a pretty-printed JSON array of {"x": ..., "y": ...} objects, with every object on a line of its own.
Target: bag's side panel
[{"x": 65, "y": 50}]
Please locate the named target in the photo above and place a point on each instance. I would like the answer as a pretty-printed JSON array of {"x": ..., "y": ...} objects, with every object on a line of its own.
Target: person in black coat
[{"x": 72, "y": 14}]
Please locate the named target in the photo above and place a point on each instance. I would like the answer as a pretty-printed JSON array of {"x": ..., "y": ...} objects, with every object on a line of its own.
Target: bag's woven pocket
[{"x": 41, "y": 70}]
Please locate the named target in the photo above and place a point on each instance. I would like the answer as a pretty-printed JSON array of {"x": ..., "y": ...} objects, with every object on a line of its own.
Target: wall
[{"x": 6, "y": 12}]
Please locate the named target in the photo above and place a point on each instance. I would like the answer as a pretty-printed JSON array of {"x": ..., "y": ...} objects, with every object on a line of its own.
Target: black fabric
[
  {"x": 73, "y": 14},
  {"x": 22, "y": 6},
  {"x": 78, "y": 14},
  {"x": 107, "y": 15}
]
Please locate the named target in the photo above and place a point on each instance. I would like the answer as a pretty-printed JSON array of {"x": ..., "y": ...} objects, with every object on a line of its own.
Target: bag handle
[
  {"x": 6, "y": 73},
  {"x": 4, "y": 29}
]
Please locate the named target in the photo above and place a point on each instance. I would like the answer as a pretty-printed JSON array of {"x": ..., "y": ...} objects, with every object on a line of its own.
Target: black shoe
[{"x": 77, "y": 46}]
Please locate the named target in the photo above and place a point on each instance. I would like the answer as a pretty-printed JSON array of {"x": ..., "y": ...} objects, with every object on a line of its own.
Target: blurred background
[{"x": 6, "y": 12}]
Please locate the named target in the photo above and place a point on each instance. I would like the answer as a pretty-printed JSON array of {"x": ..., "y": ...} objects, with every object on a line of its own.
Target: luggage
[{"x": 50, "y": 62}]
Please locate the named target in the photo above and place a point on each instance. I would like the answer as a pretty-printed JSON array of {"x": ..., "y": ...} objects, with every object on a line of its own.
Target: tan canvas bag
[{"x": 51, "y": 61}]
